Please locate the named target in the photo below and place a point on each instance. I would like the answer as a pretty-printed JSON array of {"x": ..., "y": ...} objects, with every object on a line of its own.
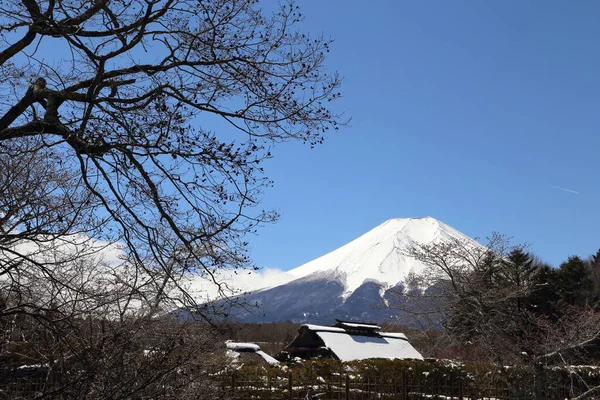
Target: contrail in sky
[{"x": 564, "y": 189}]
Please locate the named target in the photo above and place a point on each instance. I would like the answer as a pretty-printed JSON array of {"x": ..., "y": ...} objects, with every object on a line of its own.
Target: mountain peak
[
  {"x": 349, "y": 281},
  {"x": 378, "y": 254},
  {"x": 401, "y": 222}
]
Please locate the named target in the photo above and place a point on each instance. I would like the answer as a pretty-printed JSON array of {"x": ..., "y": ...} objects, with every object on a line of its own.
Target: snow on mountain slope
[
  {"x": 350, "y": 283},
  {"x": 377, "y": 255}
]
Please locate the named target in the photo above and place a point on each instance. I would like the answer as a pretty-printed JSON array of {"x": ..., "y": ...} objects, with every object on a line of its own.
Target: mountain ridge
[{"x": 347, "y": 282}]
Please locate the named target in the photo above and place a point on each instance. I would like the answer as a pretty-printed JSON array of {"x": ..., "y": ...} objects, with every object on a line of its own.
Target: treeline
[
  {"x": 534, "y": 287},
  {"x": 576, "y": 283}
]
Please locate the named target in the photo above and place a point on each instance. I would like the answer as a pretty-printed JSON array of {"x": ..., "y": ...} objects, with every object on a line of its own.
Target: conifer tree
[
  {"x": 594, "y": 273},
  {"x": 543, "y": 299},
  {"x": 574, "y": 285},
  {"x": 520, "y": 271}
]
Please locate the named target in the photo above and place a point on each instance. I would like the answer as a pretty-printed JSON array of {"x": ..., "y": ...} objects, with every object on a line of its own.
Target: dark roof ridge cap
[{"x": 355, "y": 322}]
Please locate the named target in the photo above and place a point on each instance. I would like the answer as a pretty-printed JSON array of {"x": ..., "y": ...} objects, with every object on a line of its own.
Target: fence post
[
  {"x": 347, "y": 387},
  {"x": 290, "y": 386},
  {"x": 460, "y": 387},
  {"x": 232, "y": 383},
  {"x": 403, "y": 382}
]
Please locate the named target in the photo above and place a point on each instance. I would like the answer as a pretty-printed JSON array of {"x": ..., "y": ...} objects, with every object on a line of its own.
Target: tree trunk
[{"x": 540, "y": 381}]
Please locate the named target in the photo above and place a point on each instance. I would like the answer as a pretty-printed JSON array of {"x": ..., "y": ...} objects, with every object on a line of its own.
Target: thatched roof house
[
  {"x": 244, "y": 352},
  {"x": 348, "y": 341}
]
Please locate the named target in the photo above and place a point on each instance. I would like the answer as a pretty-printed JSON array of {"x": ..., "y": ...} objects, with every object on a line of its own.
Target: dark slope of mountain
[{"x": 300, "y": 300}]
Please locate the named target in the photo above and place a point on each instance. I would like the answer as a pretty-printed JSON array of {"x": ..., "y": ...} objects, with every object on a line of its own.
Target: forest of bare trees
[{"x": 132, "y": 136}]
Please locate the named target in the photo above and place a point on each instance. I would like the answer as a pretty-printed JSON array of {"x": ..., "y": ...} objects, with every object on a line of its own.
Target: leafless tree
[
  {"x": 139, "y": 128},
  {"x": 481, "y": 296},
  {"x": 121, "y": 96}
]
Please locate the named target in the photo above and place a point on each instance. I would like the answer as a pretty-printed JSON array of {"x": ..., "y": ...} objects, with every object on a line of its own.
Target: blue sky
[{"x": 471, "y": 112}]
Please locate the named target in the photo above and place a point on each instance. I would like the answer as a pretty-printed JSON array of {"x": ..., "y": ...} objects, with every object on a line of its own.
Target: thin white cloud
[
  {"x": 564, "y": 189},
  {"x": 237, "y": 283},
  {"x": 112, "y": 257}
]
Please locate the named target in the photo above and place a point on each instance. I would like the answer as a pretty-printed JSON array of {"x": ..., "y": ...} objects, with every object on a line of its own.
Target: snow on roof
[
  {"x": 357, "y": 347},
  {"x": 321, "y": 328},
  {"x": 234, "y": 349},
  {"x": 242, "y": 346},
  {"x": 359, "y": 325},
  {"x": 396, "y": 335},
  {"x": 270, "y": 360}
]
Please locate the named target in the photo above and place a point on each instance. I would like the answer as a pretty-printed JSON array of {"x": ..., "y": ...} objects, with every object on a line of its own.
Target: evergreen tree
[
  {"x": 543, "y": 299},
  {"x": 574, "y": 284},
  {"x": 520, "y": 271},
  {"x": 594, "y": 273}
]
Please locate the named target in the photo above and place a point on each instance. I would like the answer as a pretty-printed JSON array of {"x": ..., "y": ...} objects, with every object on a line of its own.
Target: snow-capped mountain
[
  {"x": 377, "y": 255},
  {"x": 346, "y": 283}
]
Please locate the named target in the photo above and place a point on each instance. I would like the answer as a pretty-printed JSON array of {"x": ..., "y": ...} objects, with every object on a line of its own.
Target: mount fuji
[{"x": 348, "y": 282}]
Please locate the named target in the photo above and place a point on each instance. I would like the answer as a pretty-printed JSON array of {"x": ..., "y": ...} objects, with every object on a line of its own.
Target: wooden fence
[
  {"x": 334, "y": 386},
  {"x": 348, "y": 387}
]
